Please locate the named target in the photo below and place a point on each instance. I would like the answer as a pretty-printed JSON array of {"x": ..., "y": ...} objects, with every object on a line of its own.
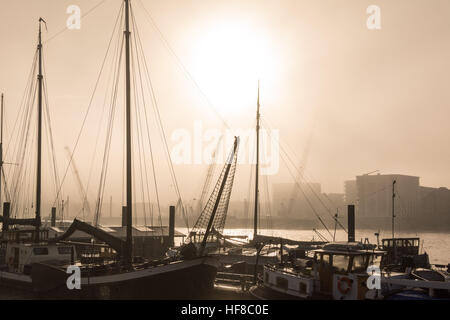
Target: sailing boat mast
[
  {"x": 129, "y": 239},
  {"x": 393, "y": 208},
  {"x": 39, "y": 142},
  {"x": 255, "y": 218}
]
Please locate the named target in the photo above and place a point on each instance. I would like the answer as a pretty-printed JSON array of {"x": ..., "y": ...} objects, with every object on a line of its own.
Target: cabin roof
[
  {"x": 347, "y": 248},
  {"x": 387, "y": 239},
  {"x": 118, "y": 231}
]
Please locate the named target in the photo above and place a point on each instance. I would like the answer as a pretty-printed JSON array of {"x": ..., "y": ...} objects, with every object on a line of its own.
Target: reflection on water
[{"x": 437, "y": 245}]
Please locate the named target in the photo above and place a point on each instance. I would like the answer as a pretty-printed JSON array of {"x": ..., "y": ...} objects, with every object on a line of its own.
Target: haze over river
[{"x": 437, "y": 245}]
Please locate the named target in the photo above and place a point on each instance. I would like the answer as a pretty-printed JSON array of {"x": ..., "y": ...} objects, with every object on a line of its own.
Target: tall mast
[
  {"x": 129, "y": 240},
  {"x": 393, "y": 219},
  {"x": 393, "y": 210},
  {"x": 39, "y": 150},
  {"x": 255, "y": 218}
]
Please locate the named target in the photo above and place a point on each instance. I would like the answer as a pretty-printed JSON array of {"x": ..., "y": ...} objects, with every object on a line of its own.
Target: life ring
[{"x": 348, "y": 285}]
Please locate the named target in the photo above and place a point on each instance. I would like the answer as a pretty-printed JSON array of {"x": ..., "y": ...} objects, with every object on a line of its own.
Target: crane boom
[
  {"x": 300, "y": 172},
  {"x": 81, "y": 190}
]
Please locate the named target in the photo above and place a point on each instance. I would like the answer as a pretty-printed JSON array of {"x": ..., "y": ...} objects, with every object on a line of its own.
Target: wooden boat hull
[{"x": 189, "y": 279}]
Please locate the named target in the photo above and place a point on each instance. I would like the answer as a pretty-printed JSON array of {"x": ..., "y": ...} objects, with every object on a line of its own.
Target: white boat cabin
[
  {"x": 19, "y": 251},
  {"x": 20, "y": 256},
  {"x": 338, "y": 271},
  {"x": 342, "y": 269}
]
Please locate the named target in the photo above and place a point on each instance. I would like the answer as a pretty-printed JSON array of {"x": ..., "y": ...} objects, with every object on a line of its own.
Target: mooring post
[
  {"x": 6, "y": 208},
  {"x": 351, "y": 223},
  {"x": 53, "y": 217},
  {"x": 172, "y": 226}
]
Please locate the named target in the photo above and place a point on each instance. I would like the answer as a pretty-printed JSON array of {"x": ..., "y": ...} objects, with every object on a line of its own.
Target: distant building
[
  {"x": 336, "y": 201},
  {"x": 374, "y": 194},
  {"x": 351, "y": 192},
  {"x": 293, "y": 201},
  {"x": 435, "y": 205}
]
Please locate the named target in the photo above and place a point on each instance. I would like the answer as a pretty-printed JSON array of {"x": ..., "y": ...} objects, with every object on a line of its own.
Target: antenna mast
[
  {"x": 255, "y": 218},
  {"x": 129, "y": 239},
  {"x": 39, "y": 146},
  {"x": 393, "y": 211}
]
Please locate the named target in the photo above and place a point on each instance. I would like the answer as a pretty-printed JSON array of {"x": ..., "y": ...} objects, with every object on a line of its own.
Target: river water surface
[{"x": 437, "y": 245}]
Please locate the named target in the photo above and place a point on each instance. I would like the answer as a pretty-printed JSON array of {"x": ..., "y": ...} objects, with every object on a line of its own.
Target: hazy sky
[{"x": 366, "y": 99}]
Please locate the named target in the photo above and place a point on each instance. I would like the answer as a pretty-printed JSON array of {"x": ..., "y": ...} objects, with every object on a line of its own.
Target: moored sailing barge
[{"x": 34, "y": 263}]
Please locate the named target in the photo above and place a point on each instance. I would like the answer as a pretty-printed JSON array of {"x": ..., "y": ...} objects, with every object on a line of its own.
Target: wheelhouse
[
  {"x": 348, "y": 258},
  {"x": 342, "y": 269},
  {"x": 399, "y": 247}
]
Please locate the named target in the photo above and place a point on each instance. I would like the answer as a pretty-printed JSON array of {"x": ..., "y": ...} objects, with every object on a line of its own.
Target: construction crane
[
  {"x": 81, "y": 190},
  {"x": 372, "y": 172},
  {"x": 300, "y": 172}
]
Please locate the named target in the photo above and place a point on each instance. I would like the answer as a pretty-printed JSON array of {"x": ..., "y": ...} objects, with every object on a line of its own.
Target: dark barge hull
[
  {"x": 261, "y": 292},
  {"x": 190, "y": 279}
]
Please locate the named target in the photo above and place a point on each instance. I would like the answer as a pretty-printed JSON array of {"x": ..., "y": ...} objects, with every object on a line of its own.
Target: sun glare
[{"x": 229, "y": 59}]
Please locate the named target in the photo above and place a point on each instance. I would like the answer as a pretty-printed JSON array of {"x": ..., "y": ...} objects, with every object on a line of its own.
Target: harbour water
[{"x": 437, "y": 245}]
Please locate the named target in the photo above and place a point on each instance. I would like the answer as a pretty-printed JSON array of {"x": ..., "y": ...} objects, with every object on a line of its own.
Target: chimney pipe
[
  {"x": 53, "y": 218},
  {"x": 351, "y": 223},
  {"x": 6, "y": 208},
  {"x": 172, "y": 226}
]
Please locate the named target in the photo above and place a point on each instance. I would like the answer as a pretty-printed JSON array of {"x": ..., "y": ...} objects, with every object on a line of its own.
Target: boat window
[
  {"x": 359, "y": 264},
  {"x": 325, "y": 259},
  {"x": 64, "y": 250},
  {"x": 282, "y": 283},
  {"x": 340, "y": 263},
  {"x": 375, "y": 260},
  {"x": 302, "y": 287},
  {"x": 40, "y": 251}
]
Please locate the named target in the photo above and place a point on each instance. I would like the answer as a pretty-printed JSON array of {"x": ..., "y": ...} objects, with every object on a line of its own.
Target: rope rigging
[
  {"x": 301, "y": 189},
  {"x": 90, "y": 101},
  {"x": 23, "y": 139},
  {"x": 304, "y": 179},
  {"x": 155, "y": 106}
]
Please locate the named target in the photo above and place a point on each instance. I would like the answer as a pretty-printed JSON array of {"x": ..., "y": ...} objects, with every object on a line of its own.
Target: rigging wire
[
  {"x": 109, "y": 132},
  {"x": 249, "y": 193},
  {"x": 50, "y": 137},
  {"x": 301, "y": 189},
  {"x": 161, "y": 127},
  {"x": 20, "y": 176},
  {"x": 110, "y": 80},
  {"x": 302, "y": 175},
  {"x": 90, "y": 103},
  {"x": 181, "y": 65},
  {"x": 139, "y": 48},
  {"x": 67, "y": 28}
]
